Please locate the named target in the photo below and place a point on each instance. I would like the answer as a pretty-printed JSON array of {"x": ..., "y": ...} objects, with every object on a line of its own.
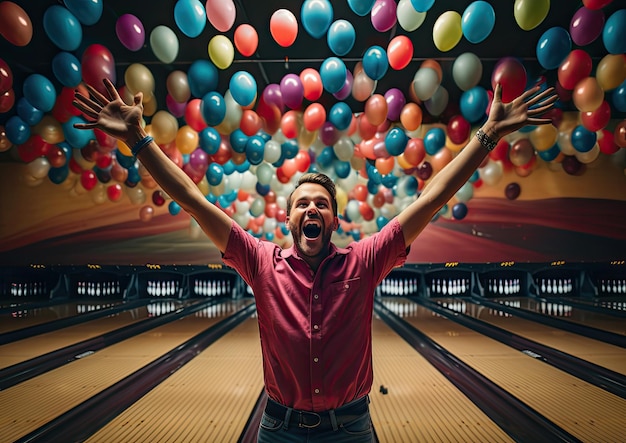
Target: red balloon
[
  {"x": 366, "y": 211},
  {"x": 88, "y": 179},
  {"x": 400, "y": 52},
  {"x": 97, "y": 64},
  {"x": 576, "y": 66},
  {"x": 6, "y": 77},
  {"x": 596, "y": 4},
  {"x": 510, "y": 73},
  {"x": 620, "y": 134},
  {"x": 415, "y": 152},
  {"x": 15, "y": 24},
  {"x": 7, "y": 100},
  {"x": 193, "y": 115},
  {"x": 114, "y": 192},
  {"x": 606, "y": 143},
  {"x": 250, "y": 123},
  {"x": 598, "y": 119},
  {"x": 57, "y": 158},
  {"x": 458, "y": 129}
]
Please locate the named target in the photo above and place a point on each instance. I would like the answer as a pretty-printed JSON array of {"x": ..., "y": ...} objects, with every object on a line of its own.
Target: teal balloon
[
  {"x": 361, "y": 7},
  {"x": 614, "y": 33},
  {"x": 316, "y": 16},
  {"x": 28, "y": 112},
  {"x": 215, "y": 174},
  {"x": 340, "y": 115},
  {"x": 333, "y": 74},
  {"x": 190, "y": 17},
  {"x": 77, "y": 138},
  {"x": 341, "y": 37},
  {"x": 202, "y": 77},
  {"x": 553, "y": 47},
  {"x": 434, "y": 140},
  {"x": 550, "y": 154},
  {"x": 341, "y": 168},
  {"x": 58, "y": 175},
  {"x": 473, "y": 104},
  {"x": 583, "y": 140},
  {"x": 88, "y": 12},
  {"x": 209, "y": 140},
  {"x": 173, "y": 208},
  {"x": 243, "y": 88},
  {"x": 375, "y": 62},
  {"x": 67, "y": 69},
  {"x": 477, "y": 21},
  {"x": 62, "y": 27},
  {"x": 213, "y": 108},
  {"x": 17, "y": 130},
  {"x": 422, "y": 5},
  {"x": 255, "y": 148},
  {"x": 238, "y": 140},
  {"x": 40, "y": 92},
  {"x": 395, "y": 141}
]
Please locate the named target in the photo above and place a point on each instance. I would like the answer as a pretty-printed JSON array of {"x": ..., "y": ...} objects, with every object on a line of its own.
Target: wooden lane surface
[
  {"x": 586, "y": 411},
  {"x": 207, "y": 400},
  {"x": 421, "y": 404},
  {"x": 31, "y": 404}
]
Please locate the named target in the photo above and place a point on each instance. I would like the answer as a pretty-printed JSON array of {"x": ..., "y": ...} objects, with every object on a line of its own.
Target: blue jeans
[{"x": 357, "y": 430}]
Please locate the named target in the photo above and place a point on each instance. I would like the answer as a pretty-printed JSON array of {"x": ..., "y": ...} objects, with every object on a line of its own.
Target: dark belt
[{"x": 324, "y": 419}]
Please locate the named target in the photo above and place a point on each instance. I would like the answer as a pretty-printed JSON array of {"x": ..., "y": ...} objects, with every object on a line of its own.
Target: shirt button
[
  {"x": 346, "y": 286},
  {"x": 316, "y": 359},
  {"x": 317, "y": 391},
  {"x": 316, "y": 327},
  {"x": 316, "y": 296}
]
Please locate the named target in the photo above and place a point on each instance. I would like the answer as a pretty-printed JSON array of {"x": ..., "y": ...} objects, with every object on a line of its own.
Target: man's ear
[
  {"x": 287, "y": 222},
  {"x": 335, "y": 223}
]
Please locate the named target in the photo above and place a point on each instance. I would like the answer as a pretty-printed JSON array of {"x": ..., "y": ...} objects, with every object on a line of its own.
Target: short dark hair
[{"x": 319, "y": 179}]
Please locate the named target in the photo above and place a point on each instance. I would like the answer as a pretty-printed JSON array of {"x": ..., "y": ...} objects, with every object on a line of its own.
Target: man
[{"x": 314, "y": 300}]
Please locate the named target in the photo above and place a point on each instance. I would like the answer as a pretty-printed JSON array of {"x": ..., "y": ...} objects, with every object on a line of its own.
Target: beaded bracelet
[
  {"x": 141, "y": 144},
  {"x": 485, "y": 140}
]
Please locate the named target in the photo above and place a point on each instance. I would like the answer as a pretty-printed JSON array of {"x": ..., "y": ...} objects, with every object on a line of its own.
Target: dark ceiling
[{"x": 268, "y": 65}]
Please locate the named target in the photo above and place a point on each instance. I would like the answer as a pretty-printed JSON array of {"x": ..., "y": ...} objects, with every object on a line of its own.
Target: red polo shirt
[{"x": 316, "y": 328}]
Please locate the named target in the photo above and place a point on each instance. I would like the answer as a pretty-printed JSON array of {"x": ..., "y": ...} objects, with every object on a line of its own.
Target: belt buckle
[{"x": 305, "y": 425}]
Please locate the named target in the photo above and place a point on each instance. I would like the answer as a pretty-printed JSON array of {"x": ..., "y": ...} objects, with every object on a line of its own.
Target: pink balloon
[
  {"x": 221, "y": 14},
  {"x": 586, "y": 25},
  {"x": 284, "y": 27},
  {"x": 384, "y": 15},
  {"x": 292, "y": 91}
]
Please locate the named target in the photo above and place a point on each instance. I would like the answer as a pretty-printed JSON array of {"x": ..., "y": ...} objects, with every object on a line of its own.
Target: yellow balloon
[
  {"x": 611, "y": 71},
  {"x": 150, "y": 106},
  {"x": 139, "y": 78},
  {"x": 164, "y": 127},
  {"x": 49, "y": 129},
  {"x": 530, "y": 13},
  {"x": 342, "y": 200},
  {"x": 543, "y": 137},
  {"x": 186, "y": 140},
  {"x": 203, "y": 185},
  {"x": 221, "y": 51},
  {"x": 124, "y": 149},
  {"x": 447, "y": 31}
]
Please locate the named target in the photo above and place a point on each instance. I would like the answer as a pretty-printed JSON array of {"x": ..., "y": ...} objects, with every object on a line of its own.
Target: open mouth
[{"x": 311, "y": 231}]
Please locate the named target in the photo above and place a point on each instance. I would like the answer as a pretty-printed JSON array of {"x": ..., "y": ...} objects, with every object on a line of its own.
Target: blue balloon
[
  {"x": 614, "y": 33},
  {"x": 17, "y": 130},
  {"x": 40, "y": 92},
  {"x": 361, "y": 7},
  {"x": 550, "y": 154},
  {"x": 28, "y": 112},
  {"x": 434, "y": 140},
  {"x": 340, "y": 115},
  {"x": 553, "y": 47},
  {"x": 229, "y": 167},
  {"x": 478, "y": 21},
  {"x": 381, "y": 222},
  {"x": 255, "y": 148},
  {"x": 213, "y": 108},
  {"x": 202, "y": 77},
  {"x": 215, "y": 174},
  {"x": 316, "y": 16},
  {"x": 583, "y": 140},
  {"x": 326, "y": 157},
  {"x": 173, "y": 208},
  {"x": 58, "y": 175},
  {"x": 209, "y": 140},
  {"x": 395, "y": 141},
  {"x": 372, "y": 186},
  {"x": 67, "y": 69},
  {"x": 190, "y": 17},
  {"x": 341, "y": 37},
  {"x": 262, "y": 189},
  {"x": 87, "y": 12},
  {"x": 243, "y": 88},
  {"x": 342, "y": 169},
  {"x": 333, "y": 74},
  {"x": 243, "y": 166},
  {"x": 411, "y": 184},
  {"x": 618, "y": 97},
  {"x": 473, "y": 103},
  {"x": 422, "y": 5},
  {"x": 125, "y": 161},
  {"x": 62, "y": 27},
  {"x": 289, "y": 148},
  {"x": 375, "y": 62},
  {"x": 389, "y": 181},
  {"x": 459, "y": 211},
  {"x": 77, "y": 138},
  {"x": 238, "y": 141}
]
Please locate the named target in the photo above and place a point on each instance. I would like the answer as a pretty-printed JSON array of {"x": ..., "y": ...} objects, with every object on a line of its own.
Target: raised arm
[
  {"x": 116, "y": 118},
  {"x": 503, "y": 119}
]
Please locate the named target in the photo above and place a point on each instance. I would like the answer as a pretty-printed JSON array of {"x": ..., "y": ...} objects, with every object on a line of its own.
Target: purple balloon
[
  {"x": 512, "y": 191},
  {"x": 199, "y": 161},
  {"x": 395, "y": 102},
  {"x": 586, "y": 25},
  {"x": 292, "y": 91},
  {"x": 346, "y": 89},
  {"x": 328, "y": 134},
  {"x": 572, "y": 166},
  {"x": 130, "y": 32},
  {"x": 273, "y": 96},
  {"x": 384, "y": 15}
]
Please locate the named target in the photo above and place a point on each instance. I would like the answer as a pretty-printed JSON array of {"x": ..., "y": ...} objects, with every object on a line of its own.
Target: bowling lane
[
  {"x": 208, "y": 400},
  {"x": 31, "y": 404},
  {"x": 561, "y": 309},
  {"x": 553, "y": 393},
  {"x": 421, "y": 405},
  {"x": 24, "y": 317}
]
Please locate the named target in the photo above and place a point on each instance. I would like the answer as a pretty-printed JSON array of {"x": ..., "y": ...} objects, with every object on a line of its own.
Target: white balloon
[
  {"x": 467, "y": 71},
  {"x": 491, "y": 173},
  {"x": 408, "y": 18},
  {"x": 425, "y": 83}
]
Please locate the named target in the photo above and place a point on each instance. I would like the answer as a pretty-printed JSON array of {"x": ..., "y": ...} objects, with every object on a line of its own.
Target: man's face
[{"x": 311, "y": 220}]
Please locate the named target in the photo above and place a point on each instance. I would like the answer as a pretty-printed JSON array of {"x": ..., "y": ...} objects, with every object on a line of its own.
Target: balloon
[
  {"x": 314, "y": 117},
  {"x": 88, "y": 13},
  {"x": 311, "y": 83},
  {"x": 530, "y": 13},
  {"x": 383, "y": 15},
  {"x": 345, "y": 90},
  {"x": 221, "y": 14},
  {"x": 202, "y": 77},
  {"x": 243, "y": 88},
  {"x": 512, "y": 191},
  {"x": 164, "y": 127},
  {"x": 606, "y": 142},
  {"x": 411, "y": 116},
  {"x": 467, "y": 71},
  {"x": 66, "y": 69},
  {"x": 164, "y": 44},
  {"x": 246, "y": 39},
  {"x": 510, "y": 73},
  {"x": 62, "y": 27},
  {"x": 15, "y": 24},
  {"x": 521, "y": 152},
  {"x": 619, "y": 134},
  {"x": 130, "y": 32},
  {"x": 587, "y": 95},
  {"x": 7, "y": 100},
  {"x": 459, "y": 211},
  {"x": 254, "y": 149},
  {"x": 28, "y": 112},
  {"x": 221, "y": 51},
  {"x": 586, "y": 26},
  {"x": 291, "y": 91},
  {"x": 583, "y": 140},
  {"x": 395, "y": 103},
  {"x": 422, "y": 5},
  {"x": 408, "y": 18},
  {"x": 576, "y": 66},
  {"x": 138, "y": 78},
  {"x": 400, "y": 52},
  {"x": 6, "y": 77},
  {"x": 572, "y": 166},
  {"x": 619, "y": 97},
  {"x": 434, "y": 140},
  {"x": 597, "y": 119},
  {"x": 97, "y": 63},
  {"x": 396, "y": 141},
  {"x": 611, "y": 71},
  {"x": 316, "y": 16},
  {"x": 177, "y": 85},
  {"x": 425, "y": 83},
  {"x": 543, "y": 137},
  {"x": 596, "y": 4},
  {"x": 474, "y": 103},
  {"x": 375, "y": 62},
  {"x": 40, "y": 92},
  {"x": 190, "y": 17},
  {"x": 614, "y": 33},
  {"x": 477, "y": 21},
  {"x": 376, "y": 109},
  {"x": 362, "y": 86},
  {"x": 341, "y": 37},
  {"x": 333, "y": 74},
  {"x": 283, "y": 27},
  {"x": 553, "y": 47},
  {"x": 361, "y": 7},
  {"x": 491, "y": 173},
  {"x": 438, "y": 102},
  {"x": 458, "y": 129},
  {"x": 340, "y": 115},
  {"x": 447, "y": 31}
]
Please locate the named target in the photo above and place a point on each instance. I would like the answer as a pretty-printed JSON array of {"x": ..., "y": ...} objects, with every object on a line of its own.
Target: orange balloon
[
  {"x": 376, "y": 109},
  {"x": 15, "y": 24},
  {"x": 362, "y": 86},
  {"x": 587, "y": 95},
  {"x": 365, "y": 128},
  {"x": 284, "y": 27},
  {"x": 385, "y": 165},
  {"x": 314, "y": 116},
  {"x": 400, "y": 52},
  {"x": 441, "y": 159},
  {"x": 312, "y": 84},
  {"x": 186, "y": 140},
  {"x": 246, "y": 40},
  {"x": 289, "y": 124},
  {"x": 411, "y": 116},
  {"x": 415, "y": 152}
]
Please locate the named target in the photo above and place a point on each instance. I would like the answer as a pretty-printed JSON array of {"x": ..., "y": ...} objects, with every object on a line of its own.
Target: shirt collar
[{"x": 293, "y": 252}]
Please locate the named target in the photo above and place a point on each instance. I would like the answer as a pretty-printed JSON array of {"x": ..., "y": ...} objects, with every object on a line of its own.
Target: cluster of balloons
[{"x": 246, "y": 147}]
